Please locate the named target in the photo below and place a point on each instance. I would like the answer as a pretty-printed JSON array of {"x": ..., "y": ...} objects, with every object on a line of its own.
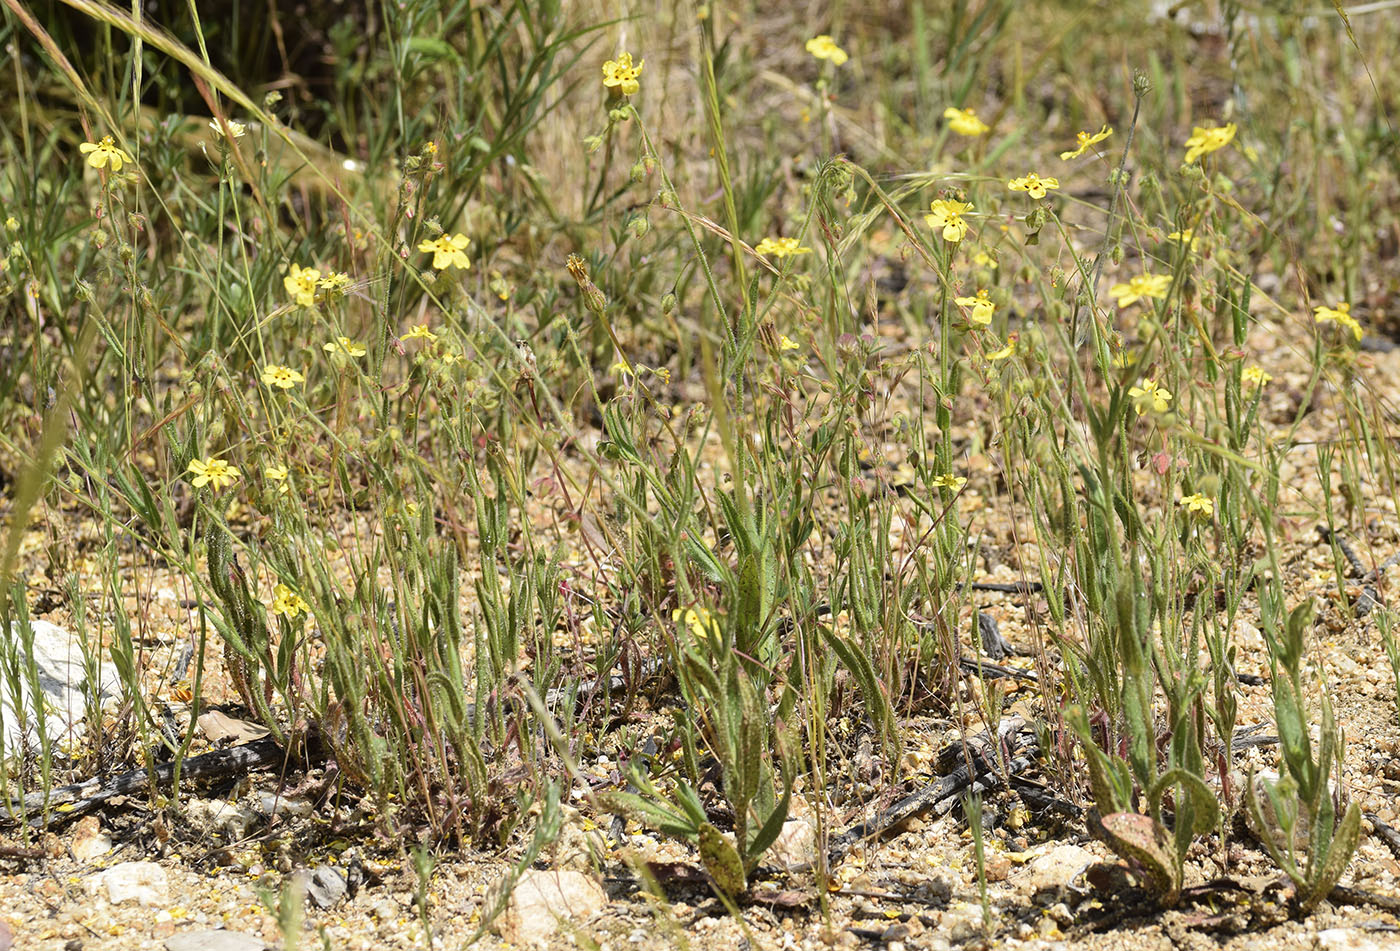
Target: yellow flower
[
  {"x": 1204, "y": 141},
  {"x": 947, "y": 215},
  {"x": 1198, "y": 505},
  {"x": 287, "y": 602},
  {"x": 236, "y": 130},
  {"x": 1143, "y": 285},
  {"x": 982, "y": 307},
  {"x": 786, "y": 343},
  {"x": 101, "y": 153},
  {"x": 824, "y": 47},
  {"x": 699, "y": 621},
  {"x": 983, "y": 259},
  {"x": 1005, "y": 351},
  {"x": 300, "y": 282},
  {"x": 950, "y": 482},
  {"x": 285, "y": 378},
  {"x": 448, "y": 252},
  {"x": 420, "y": 332},
  {"x": 334, "y": 282},
  {"x": 1341, "y": 314},
  {"x": 780, "y": 247},
  {"x": 621, "y": 75},
  {"x": 1150, "y": 396},
  {"x": 1186, "y": 236},
  {"x": 1255, "y": 376},
  {"x": 965, "y": 122},
  {"x": 344, "y": 345},
  {"x": 1084, "y": 141},
  {"x": 214, "y": 473},
  {"x": 1033, "y": 185},
  {"x": 277, "y": 473},
  {"x": 627, "y": 370}
]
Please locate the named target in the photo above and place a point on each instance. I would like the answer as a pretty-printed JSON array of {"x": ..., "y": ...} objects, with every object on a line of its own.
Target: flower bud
[{"x": 1149, "y": 190}]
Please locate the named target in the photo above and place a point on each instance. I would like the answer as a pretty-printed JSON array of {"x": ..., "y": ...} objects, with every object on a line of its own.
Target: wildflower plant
[
  {"x": 946, "y": 218},
  {"x": 1207, "y": 139},
  {"x": 419, "y": 509},
  {"x": 824, "y": 47},
  {"x": 621, "y": 76},
  {"x": 980, "y": 305},
  {"x": 1084, "y": 142},
  {"x": 106, "y": 154},
  {"x": 1307, "y": 824},
  {"x": 780, "y": 247},
  {"x": 448, "y": 251},
  {"x": 964, "y": 122},
  {"x": 1033, "y": 185}
]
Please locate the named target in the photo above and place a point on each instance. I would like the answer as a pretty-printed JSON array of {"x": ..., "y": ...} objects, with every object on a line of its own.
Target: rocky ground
[{"x": 264, "y": 859}]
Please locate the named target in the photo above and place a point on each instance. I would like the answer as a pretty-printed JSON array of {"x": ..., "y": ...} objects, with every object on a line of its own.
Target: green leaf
[
  {"x": 1293, "y": 738},
  {"x": 1267, "y": 830},
  {"x": 722, "y": 861},
  {"x": 649, "y": 813},
  {"x": 770, "y": 830},
  {"x": 1330, "y": 869},
  {"x": 1202, "y": 798},
  {"x": 1299, "y": 620},
  {"x": 748, "y": 614},
  {"x": 858, "y": 663},
  {"x": 1139, "y": 839},
  {"x": 689, "y": 800},
  {"x": 432, "y": 48}
]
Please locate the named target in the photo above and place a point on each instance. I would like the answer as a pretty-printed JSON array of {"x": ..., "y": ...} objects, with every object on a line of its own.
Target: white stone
[
  {"x": 1345, "y": 939},
  {"x": 278, "y": 805},
  {"x": 57, "y": 658},
  {"x": 219, "y": 727},
  {"x": 89, "y": 842},
  {"x": 1055, "y": 868},
  {"x": 211, "y": 816},
  {"x": 795, "y": 849},
  {"x": 141, "y": 882},
  {"x": 541, "y": 900},
  {"x": 214, "y": 941}
]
